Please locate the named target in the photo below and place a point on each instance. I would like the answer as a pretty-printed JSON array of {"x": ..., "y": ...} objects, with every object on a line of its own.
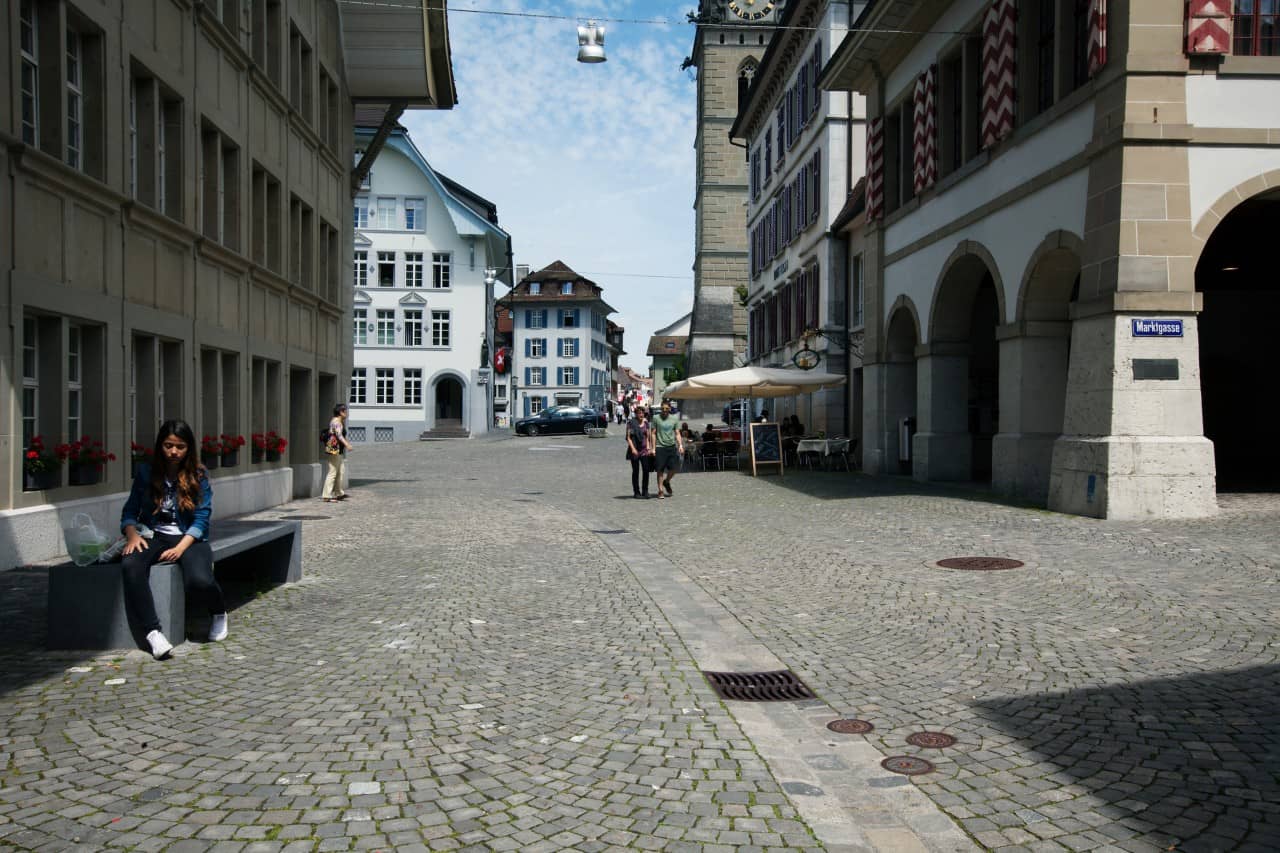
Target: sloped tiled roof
[{"x": 667, "y": 344}]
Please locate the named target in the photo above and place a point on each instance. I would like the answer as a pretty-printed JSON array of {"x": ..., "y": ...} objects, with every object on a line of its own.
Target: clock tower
[{"x": 730, "y": 43}]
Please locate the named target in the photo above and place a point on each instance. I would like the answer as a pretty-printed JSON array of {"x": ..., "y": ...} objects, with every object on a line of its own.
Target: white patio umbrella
[{"x": 753, "y": 383}]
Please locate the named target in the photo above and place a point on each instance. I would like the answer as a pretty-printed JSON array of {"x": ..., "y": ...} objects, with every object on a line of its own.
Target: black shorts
[{"x": 667, "y": 459}]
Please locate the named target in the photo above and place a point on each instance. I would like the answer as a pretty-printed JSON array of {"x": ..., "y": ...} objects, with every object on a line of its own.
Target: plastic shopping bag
[{"x": 86, "y": 542}]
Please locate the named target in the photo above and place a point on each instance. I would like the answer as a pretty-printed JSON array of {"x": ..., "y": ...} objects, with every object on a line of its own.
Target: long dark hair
[{"x": 190, "y": 471}]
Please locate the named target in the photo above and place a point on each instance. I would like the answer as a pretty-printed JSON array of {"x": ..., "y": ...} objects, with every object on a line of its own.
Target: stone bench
[
  {"x": 597, "y": 432},
  {"x": 86, "y": 603}
]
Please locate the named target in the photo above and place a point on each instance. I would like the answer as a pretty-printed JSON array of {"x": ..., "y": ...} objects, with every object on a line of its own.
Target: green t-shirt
[{"x": 664, "y": 430}]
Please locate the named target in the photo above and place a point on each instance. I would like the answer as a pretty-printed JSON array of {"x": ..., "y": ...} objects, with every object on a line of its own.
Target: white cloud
[{"x": 589, "y": 164}]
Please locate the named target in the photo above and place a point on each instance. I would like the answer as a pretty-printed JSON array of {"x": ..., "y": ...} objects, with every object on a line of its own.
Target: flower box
[
  {"x": 255, "y": 455},
  {"x": 38, "y": 481},
  {"x": 209, "y": 460},
  {"x": 86, "y": 460},
  {"x": 273, "y": 455},
  {"x": 229, "y": 460},
  {"x": 84, "y": 474}
]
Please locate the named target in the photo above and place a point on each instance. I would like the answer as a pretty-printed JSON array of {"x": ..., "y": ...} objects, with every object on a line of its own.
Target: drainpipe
[{"x": 394, "y": 111}]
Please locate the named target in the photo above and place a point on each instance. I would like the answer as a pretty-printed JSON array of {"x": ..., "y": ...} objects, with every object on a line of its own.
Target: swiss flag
[{"x": 500, "y": 363}]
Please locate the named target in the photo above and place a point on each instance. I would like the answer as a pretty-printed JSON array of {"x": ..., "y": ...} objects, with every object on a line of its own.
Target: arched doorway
[
  {"x": 1236, "y": 277},
  {"x": 1034, "y": 356},
  {"x": 959, "y": 374},
  {"x": 448, "y": 403},
  {"x": 900, "y": 390}
]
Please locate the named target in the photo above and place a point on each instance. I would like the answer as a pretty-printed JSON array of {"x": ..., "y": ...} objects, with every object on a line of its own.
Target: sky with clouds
[{"x": 588, "y": 164}]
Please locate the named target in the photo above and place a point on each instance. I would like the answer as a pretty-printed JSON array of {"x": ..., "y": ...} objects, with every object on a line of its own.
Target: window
[
  {"x": 569, "y": 347},
  {"x": 266, "y": 195},
  {"x": 301, "y": 85},
  {"x": 1257, "y": 28},
  {"x": 30, "y": 380},
  {"x": 386, "y": 269},
  {"x": 75, "y": 101},
  {"x": 360, "y": 267},
  {"x": 537, "y": 347},
  {"x": 568, "y": 376},
  {"x": 1079, "y": 32},
  {"x": 535, "y": 404},
  {"x": 360, "y": 214},
  {"x": 768, "y": 157},
  {"x": 500, "y": 391},
  {"x": 413, "y": 327},
  {"x": 220, "y": 187},
  {"x": 301, "y": 243},
  {"x": 384, "y": 380},
  {"x": 219, "y": 392},
  {"x": 155, "y": 384},
  {"x": 74, "y": 387},
  {"x": 30, "y": 75},
  {"x": 855, "y": 291},
  {"x": 413, "y": 269},
  {"x": 330, "y": 252},
  {"x": 537, "y": 376},
  {"x": 440, "y": 328},
  {"x": 569, "y": 318},
  {"x": 360, "y": 326},
  {"x": 441, "y": 262},
  {"x": 359, "y": 385},
  {"x": 265, "y": 24},
  {"x": 386, "y": 214},
  {"x": 1045, "y": 34},
  {"x": 413, "y": 219},
  {"x": 535, "y": 288},
  {"x": 413, "y": 386},
  {"x": 537, "y": 319},
  {"x": 566, "y": 289},
  {"x": 386, "y": 327}
]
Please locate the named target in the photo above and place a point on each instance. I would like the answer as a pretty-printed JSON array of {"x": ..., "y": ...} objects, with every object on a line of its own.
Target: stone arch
[
  {"x": 909, "y": 314},
  {"x": 901, "y": 340},
  {"x": 1228, "y": 202},
  {"x": 1050, "y": 279},
  {"x": 438, "y": 385},
  {"x": 959, "y": 279},
  {"x": 748, "y": 67}
]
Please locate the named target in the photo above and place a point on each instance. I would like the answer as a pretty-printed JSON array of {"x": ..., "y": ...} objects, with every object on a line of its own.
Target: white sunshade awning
[
  {"x": 754, "y": 382},
  {"x": 399, "y": 53}
]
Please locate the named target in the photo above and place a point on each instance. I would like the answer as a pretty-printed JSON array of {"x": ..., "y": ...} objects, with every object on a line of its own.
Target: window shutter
[
  {"x": 576, "y": 318},
  {"x": 560, "y": 347},
  {"x": 559, "y": 375},
  {"x": 814, "y": 288},
  {"x": 924, "y": 149},
  {"x": 804, "y": 94},
  {"x": 813, "y": 74},
  {"x": 875, "y": 168},
  {"x": 544, "y": 347},
  {"x": 528, "y": 318},
  {"x": 526, "y": 398},
  {"x": 527, "y": 380},
  {"x": 999, "y": 70},
  {"x": 544, "y": 402},
  {"x": 816, "y": 197},
  {"x": 559, "y": 319},
  {"x": 1098, "y": 35},
  {"x": 528, "y": 348},
  {"x": 1208, "y": 28}
]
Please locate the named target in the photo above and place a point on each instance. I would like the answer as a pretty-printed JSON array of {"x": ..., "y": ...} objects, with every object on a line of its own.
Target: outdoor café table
[{"x": 820, "y": 446}]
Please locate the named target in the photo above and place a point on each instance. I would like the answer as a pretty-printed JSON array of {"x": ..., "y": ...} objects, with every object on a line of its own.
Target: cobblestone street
[{"x": 495, "y": 648}]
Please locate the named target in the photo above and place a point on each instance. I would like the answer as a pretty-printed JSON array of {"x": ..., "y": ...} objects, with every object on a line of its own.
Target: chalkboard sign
[{"x": 766, "y": 446}]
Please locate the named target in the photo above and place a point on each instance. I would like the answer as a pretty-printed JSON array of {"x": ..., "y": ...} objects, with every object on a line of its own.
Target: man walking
[{"x": 669, "y": 445}]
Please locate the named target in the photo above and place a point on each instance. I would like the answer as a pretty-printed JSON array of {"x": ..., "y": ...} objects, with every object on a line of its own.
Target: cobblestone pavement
[{"x": 466, "y": 665}]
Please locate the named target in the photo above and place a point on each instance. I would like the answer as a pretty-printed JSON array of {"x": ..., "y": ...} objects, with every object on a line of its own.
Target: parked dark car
[{"x": 561, "y": 419}]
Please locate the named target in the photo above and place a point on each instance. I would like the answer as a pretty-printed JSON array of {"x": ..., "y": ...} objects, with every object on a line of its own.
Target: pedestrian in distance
[
  {"x": 335, "y": 454},
  {"x": 639, "y": 441},
  {"x": 668, "y": 447},
  {"x": 172, "y": 498}
]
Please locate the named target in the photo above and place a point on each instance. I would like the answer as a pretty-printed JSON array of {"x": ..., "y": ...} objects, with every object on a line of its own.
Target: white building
[
  {"x": 562, "y": 351},
  {"x": 799, "y": 175},
  {"x": 668, "y": 355},
  {"x": 422, "y": 310}
]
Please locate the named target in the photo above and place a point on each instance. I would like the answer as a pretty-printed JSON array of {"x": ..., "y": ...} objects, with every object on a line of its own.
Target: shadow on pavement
[{"x": 1195, "y": 758}]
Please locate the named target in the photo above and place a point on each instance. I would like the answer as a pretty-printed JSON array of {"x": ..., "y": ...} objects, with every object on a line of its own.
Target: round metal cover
[
  {"x": 980, "y": 564},
  {"x": 931, "y": 740},
  {"x": 907, "y": 765},
  {"x": 850, "y": 726}
]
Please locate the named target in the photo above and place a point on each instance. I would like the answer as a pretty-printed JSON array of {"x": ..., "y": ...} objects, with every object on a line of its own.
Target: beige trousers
[{"x": 333, "y": 479}]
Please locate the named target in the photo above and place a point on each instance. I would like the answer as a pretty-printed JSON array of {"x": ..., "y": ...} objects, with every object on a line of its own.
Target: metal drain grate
[
  {"x": 907, "y": 765},
  {"x": 779, "y": 686},
  {"x": 850, "y": 726},
  {"x": 980, "y": 564},
  {"x": 607, "y": 532},
  {"x": 931, "y": 740}
]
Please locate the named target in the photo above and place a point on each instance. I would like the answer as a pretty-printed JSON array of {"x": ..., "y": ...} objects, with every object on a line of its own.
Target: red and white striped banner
[
  {"x": 875, "y": 168},
  {"x": 1208, "y": 26},
  {"x": 999, "y": 70},
  {"x": 924, "y": 142},
  {"x": 1097, "y": 36}
]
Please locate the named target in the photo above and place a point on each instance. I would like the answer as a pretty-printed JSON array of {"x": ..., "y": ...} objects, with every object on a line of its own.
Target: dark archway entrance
[
  {"x": 1238, "y": 358},
  {"x": 900, "y": 390},
  {"x": 448, "y": 403}
]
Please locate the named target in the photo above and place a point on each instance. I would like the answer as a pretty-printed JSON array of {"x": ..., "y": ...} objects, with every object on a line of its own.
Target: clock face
[{"x": 751, "y": 10}]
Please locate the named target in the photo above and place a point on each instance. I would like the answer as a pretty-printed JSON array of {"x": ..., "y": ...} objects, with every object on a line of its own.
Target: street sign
[{"x": 1157, "y": 328}]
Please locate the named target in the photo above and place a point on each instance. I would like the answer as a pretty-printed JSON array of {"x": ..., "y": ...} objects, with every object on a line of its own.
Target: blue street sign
[{"x": 1157, "y": 328}]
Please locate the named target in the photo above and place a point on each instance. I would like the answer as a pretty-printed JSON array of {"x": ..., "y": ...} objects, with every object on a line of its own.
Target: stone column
[
  {"x": 1033, "y": 387},
  {"x": 943, "y": 448}
]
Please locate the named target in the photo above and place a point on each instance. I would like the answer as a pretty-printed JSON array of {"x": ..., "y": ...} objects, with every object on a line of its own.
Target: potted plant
[
  {"x": 210, "y": 451},
  {"x": 138, "y": 453},
  {"x": 40, "y": 466},
  {"x": 231, "y": 445},
  {"x": 274, "y": 444},
  {"x": 257, "y": 447},
  {"x": 86, "y": 460}
]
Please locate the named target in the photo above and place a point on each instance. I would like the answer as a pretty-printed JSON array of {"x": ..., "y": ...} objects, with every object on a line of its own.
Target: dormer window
[
  {"x": 535, "y": 288},
  {"x": 566, "y": 289}
]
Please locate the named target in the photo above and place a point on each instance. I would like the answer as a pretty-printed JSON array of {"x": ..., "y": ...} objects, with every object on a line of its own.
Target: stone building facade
[
  {"x": 1065, "y": 225},
  {"x": 730, "y": 40},
  {"x": 177, "y": 181}
]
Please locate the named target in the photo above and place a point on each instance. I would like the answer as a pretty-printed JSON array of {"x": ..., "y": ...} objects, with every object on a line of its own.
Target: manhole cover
[
  {"x": 980, "y": 564},
  {"x": 850, "y": 727},
  {"x": 931, "y": 740},
  {"x": 907, "y": 765},
  {"x": 779, "y": 686}
]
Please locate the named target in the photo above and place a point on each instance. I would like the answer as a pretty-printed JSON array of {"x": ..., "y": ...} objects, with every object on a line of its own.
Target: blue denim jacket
[{"x": 140, "y": 507}]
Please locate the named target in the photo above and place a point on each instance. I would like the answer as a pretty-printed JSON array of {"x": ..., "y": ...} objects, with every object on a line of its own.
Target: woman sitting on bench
[{"x": 173, "y": 498}]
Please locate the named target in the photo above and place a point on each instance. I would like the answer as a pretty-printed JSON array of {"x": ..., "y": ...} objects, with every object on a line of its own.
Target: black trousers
[
  {"x": 197, "y": 575},
  {"x": 645, "y": 464}
]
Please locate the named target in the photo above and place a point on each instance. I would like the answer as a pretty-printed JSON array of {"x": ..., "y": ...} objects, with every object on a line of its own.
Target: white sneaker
[
  {"x": 218, "y": 628},
  {"x": 160, "y": 646}
]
